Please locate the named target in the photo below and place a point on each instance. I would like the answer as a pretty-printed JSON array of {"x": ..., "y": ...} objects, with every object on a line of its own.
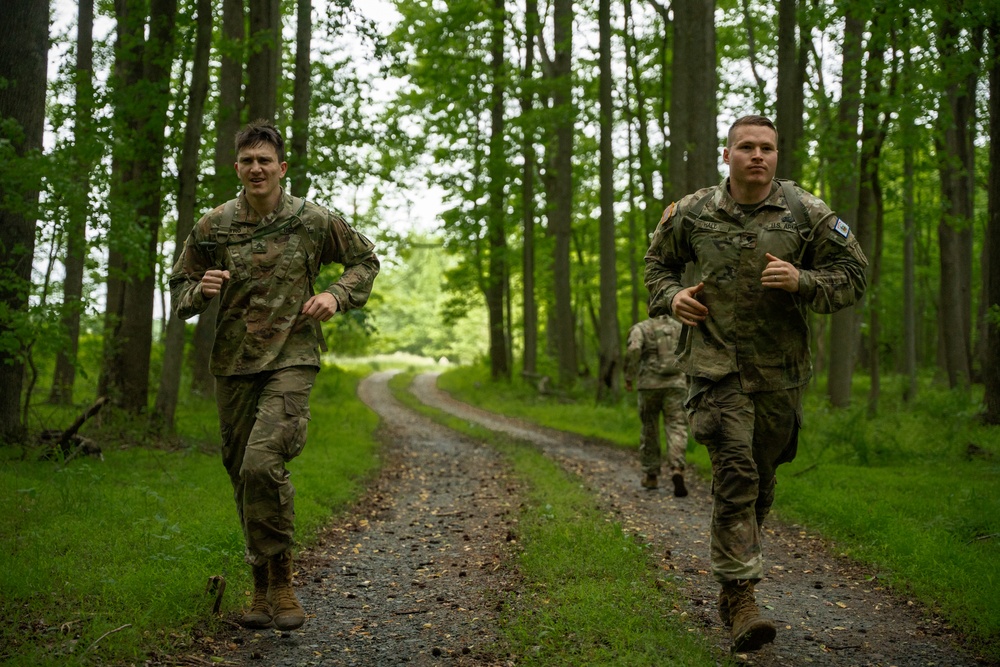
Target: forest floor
[{"x": 415, "y": 574}]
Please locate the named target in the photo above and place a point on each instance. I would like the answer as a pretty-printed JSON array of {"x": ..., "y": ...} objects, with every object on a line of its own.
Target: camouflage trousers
[
  {"x": 665, "y": 403},
  {"x": 264, "y": 418},
  {"x": 747, "y": 435}
]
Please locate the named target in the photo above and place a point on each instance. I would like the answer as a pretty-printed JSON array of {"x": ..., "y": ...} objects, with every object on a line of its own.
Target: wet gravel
[{"x": 415, "y": 573}]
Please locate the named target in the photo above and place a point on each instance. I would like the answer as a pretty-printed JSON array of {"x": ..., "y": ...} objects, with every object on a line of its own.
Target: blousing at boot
[
  {"x": 766, "y": 250},
  {"x": 260, "y": 254}
]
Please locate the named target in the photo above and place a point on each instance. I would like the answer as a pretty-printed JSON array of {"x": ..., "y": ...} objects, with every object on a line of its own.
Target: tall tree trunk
[
  {"x": 635, "y": 245},
  {"x": 135, "y": 331},
  {"x": 703, "y": 156},
  {"x": 298, "y": 169},
  {"x": 125, "y": 76},
  {"x": 908, "y": 140},
  {"x": 173, "y": 354},
  {"x": 561, "y": 207},
  {"x": 610, "y": 337},
  {"x": 647, "y": 167},
  {"x": 992, "y": 365},
  {"x": 496, "y": 287},
  {"x": 263, "y": 64},
  {"x": 844, "y": 200},
  {"x": 680, "y": 111},
  {"x": 870, "y": 205},
  {"x": 23, "y": 59},
  {"x": 224, "y": 182},
  {"x": 694, "y": 140},
  {"x": 790, "y": 92},
  {"x": 78, "y": 213},
  {"x": 528, "y": 193},
  {"x": 954, "y": 159}
]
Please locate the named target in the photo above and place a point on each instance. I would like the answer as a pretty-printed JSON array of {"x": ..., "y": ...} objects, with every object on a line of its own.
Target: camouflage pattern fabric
[
  {"x": 260, "y": 325},
  {"x": 651, "y": 354},
  {"x": 651, "y": 366},
  {"x": 747, "y": 435},
  {"x": 760, "y": 333},
  {"x": 749, "y": 360},
  {"x": 666, "y": 403},
  {"x": 264, "y": 420}
]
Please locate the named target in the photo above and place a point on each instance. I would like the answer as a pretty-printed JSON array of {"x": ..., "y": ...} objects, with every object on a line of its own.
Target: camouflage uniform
[
  {"x": 749, "y": 360},
  {"x": 265, "y": 356},
  {"x": 651, "y": 367}
]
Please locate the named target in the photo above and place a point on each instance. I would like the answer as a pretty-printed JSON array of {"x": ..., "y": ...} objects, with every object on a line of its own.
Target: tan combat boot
[
  {"x": 259, "y": 614},
  {"x": 288, "y": 614},
  {"x": 749, "y": 630}
]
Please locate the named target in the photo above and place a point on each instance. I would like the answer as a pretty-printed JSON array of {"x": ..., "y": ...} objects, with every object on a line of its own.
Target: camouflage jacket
[
  {"x": 760, "y": 333},
  {"x": 651, "y": 354},
  {"x": 272, "y": 264}
]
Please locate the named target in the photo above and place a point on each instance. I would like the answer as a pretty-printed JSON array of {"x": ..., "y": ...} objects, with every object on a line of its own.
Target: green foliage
[
  {"x": 416, "y": 315},
  {"x": 913, "y": 492},
  {"x": 126, "y": 545},
  {"x": 577, "y": 412}
]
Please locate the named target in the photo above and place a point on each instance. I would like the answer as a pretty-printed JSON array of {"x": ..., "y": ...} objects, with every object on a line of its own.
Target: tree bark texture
[
  {"x": 496, "y": 279},
  {"x": 844, "y": 200},
  {"x": 86, "y": 152},
  {"x": 528, "y": 195},
  {"x": 790, "y": 92},
  {"x": 610, "y": 337},
  {"x": 263, "y": 60},
  {"x": 870, "y": 205},
  {"x": 954, "y": 228},
  {"x": 561, "y": 207},
  {"x": 173, "y": 353},
  {"x": 992, "y": 366},
  {"x": 23, "y": 63},
  {"x": 299, "y": 158}
]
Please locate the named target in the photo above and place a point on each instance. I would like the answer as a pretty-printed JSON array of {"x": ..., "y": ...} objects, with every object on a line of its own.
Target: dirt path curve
[
  {"x": 829, "y": 611},
  {"x": 410, "y": 575}
]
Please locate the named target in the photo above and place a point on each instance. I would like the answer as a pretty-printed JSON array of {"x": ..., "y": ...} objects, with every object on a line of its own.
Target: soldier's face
[
  {"x": 260, "y": 170},
  {"x": 752, "y": 157}
]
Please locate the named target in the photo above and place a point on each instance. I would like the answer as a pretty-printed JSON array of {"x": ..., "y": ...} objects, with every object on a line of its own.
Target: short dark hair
[
  {"x": 760, "y": 121},
  {"x": 260, "y": 132}
]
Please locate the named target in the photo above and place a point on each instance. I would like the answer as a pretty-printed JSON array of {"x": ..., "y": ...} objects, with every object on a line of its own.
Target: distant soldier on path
[
  {"x": 767, "y": 251},
  {"x": 651, "y": 369},
  {"x": 261, "y": 253}
]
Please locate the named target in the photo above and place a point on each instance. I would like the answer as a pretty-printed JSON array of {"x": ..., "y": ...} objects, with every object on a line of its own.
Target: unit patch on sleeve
[
  {"x": 842, "y": 228},
  {"x": 667, "y": 214}
]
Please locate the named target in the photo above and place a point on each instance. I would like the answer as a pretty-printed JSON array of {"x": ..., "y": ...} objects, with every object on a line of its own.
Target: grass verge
[
  {"x": 592, "y": 594},
  {"x": 108, "y": 561},
  {"x": 914, "y": 493}
]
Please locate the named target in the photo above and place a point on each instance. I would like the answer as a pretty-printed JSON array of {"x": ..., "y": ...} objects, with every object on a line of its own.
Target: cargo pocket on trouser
[
  {"x": 297, "y": 415},
  {"x": 792, "y": 448}
]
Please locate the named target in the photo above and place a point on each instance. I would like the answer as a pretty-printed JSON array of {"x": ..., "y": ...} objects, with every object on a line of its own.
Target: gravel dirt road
[{"x": 410, "y": 576}]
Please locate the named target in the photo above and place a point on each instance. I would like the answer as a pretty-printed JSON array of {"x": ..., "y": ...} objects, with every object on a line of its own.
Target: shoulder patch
[
  {"x": 842, "y": 228},
  {"x": 667, "y": 214}
]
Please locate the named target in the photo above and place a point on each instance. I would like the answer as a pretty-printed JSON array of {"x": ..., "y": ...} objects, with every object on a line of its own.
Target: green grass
[
  {"x": 126, "y": 545},
  {"x": 898, "y": 492},
  {"x": 591, "y": 594}
]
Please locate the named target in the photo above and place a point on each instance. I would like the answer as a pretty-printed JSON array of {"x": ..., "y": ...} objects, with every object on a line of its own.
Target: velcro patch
[{"x": 842, "y": 228}]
